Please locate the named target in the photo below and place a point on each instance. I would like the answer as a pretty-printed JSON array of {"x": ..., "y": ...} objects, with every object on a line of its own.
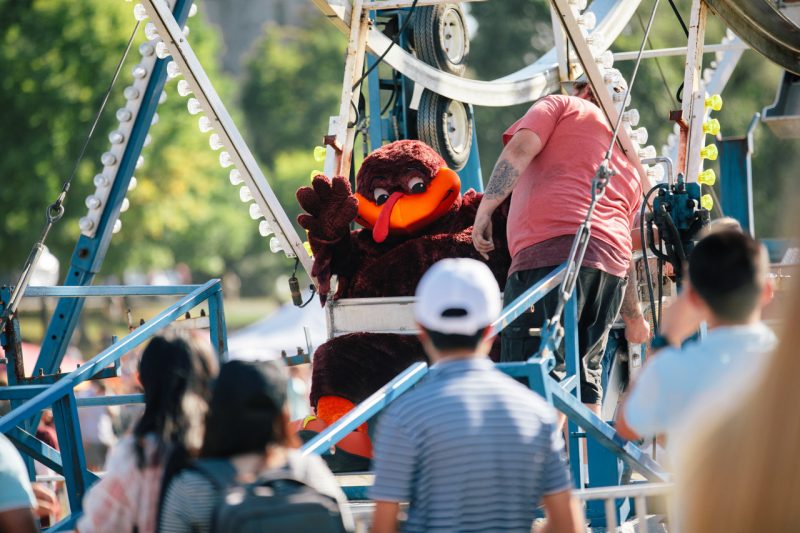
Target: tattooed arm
[
  {"x": 515, "y": 157},
  {"x": 637, "y": 328}
]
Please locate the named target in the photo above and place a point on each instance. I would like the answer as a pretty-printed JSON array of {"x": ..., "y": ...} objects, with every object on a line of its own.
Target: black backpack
[{"x": 275, "y": 502}]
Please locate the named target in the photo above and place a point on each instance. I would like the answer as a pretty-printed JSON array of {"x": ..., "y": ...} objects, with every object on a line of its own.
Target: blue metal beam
[
  {"x": 110, "y": 290},
  {"x": 89, "y": 253},
  {"x": 365, "y": 410},
  {"x": 108, "y": 356}
]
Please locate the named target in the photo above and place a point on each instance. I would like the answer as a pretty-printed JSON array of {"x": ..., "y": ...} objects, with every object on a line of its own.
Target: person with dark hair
[
  {"x": 248, "y": 433},
  {"x": 727, "y": 289},
  {"x": 469, "y": 448},
  {"x": 175, "y": 372}
]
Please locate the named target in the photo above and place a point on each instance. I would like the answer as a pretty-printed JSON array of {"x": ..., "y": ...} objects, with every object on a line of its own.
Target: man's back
[{"x": 470, "y": 449}]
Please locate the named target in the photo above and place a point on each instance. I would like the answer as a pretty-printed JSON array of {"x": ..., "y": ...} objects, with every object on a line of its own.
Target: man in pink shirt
[{"x": 550, "y": 157}]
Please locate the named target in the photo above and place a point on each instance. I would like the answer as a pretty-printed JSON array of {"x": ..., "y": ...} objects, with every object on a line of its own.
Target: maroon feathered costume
[{"x": 355, "y": 365}]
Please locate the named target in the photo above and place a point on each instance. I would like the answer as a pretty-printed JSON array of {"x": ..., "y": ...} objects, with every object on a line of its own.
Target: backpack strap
[{"x": 221, "y": 474}]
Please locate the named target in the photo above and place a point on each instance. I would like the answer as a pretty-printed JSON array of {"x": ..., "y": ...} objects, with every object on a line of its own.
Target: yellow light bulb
[
  {"x": 714, "y": 102},
  {"x": 710, "y": 152},
  {"x": 706, "y": 202},
  {"x": 315, "y": 173},
  {"x": 307, "y": 246},
  {"x": 707, "y": 177},
  {"x": 711, "y": 127},
  {"x": 319, "y": 153}
]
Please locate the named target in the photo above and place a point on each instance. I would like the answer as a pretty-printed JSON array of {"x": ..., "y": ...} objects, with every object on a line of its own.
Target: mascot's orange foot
[{"x": 351, "y": 454}]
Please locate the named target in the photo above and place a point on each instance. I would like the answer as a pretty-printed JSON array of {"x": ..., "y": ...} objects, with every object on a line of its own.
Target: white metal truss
[{"x": 235, "y": 152}]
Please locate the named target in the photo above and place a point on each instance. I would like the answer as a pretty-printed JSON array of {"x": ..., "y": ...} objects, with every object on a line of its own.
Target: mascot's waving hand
[{"x": 413, "y": 215}]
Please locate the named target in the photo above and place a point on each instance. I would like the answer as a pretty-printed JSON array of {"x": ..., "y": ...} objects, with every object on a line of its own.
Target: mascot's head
[{"x": 403, "y": 187}]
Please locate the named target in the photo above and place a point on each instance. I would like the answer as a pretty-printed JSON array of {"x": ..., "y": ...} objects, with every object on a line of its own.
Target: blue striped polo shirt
[{"x": 470, "y": 449}]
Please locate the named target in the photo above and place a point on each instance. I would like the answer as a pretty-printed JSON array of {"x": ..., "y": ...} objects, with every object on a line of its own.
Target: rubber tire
[
  {"x": 427, "y": 28},
  {"x": 432, "y": 129}
]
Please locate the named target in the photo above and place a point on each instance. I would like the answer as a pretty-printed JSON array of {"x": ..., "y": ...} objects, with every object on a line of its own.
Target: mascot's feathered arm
[{"x": 330, "y": 208}]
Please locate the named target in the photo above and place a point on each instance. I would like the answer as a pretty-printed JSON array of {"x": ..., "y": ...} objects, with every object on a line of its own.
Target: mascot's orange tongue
[{"x": 381, "y": 229}]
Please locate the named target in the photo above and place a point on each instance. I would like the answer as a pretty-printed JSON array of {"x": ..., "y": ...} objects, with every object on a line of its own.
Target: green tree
[
  {"x": 57, "y": 57},
  {"x": 292, "y": 85}
]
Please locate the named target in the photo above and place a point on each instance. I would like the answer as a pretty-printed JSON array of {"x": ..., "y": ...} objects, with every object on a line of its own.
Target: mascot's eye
[
  {"x": 416, "y": 185},
  {"x": 381, "y": 195}
]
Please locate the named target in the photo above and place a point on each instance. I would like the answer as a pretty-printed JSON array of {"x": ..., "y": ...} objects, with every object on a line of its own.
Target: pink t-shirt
[{"x": 553, "y": 194}]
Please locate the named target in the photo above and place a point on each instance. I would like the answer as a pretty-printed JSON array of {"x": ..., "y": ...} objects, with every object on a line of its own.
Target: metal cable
[
  {"x": 658, "y": 64},
  {"x": 55, "y": 211}
]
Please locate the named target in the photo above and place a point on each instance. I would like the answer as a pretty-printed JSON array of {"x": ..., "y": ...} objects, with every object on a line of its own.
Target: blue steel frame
[
  {"x": 90, "y": 252},
  {"x": 379, "y": 128},
  {"x": 564, "y": 395},
  {"x": 30, "y": 400}
]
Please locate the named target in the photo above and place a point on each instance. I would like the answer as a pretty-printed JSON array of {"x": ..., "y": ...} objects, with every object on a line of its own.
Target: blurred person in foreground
[
  {"x": 175, "y": 372},
  {"x": 728, "y": 287},
  {"x": 22, "y": 503},
  {"x": 550, "y": 158},
  {"x": 469, "y": 448},
  {"x": 247, "y": 438},
  {"x": 739, "y": 472}
]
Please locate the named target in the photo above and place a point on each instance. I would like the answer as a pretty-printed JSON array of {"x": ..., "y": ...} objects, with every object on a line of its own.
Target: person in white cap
[
  {"x": 550, "y": 157},
  {"x": 469, "y": 448}
]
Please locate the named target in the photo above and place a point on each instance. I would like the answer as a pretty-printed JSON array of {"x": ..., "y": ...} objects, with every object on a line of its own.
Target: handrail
[
  {"x": 84, "y": 291},
  {"x": 108, "y": 356}
]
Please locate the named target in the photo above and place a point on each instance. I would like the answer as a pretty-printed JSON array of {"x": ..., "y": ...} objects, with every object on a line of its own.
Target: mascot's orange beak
[{"x": 405, "y": 214}]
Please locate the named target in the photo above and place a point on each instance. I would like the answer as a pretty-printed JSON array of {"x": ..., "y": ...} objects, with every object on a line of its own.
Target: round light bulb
[
  {"x": 193, "y": 10},
  {"x": 596, "y": 40},
  {"x": 225, "y": 159},
  {"x": 186, "y": 31},
  {"x": 108, "y": 159},
  {"x": 183, "y": 88},
  {"x": 162, "y": 97},
  {"x": 126, "y": 204},
  {"x": 275, "y": 245},
  {"x": 710, "y": 152},
  {"x": 205, "y": 124},
  {"x": 139, "y": 12},
  {"x": 86, "y": 224},
  {"x": 606, "y": 59},
  {"x": 235, "y": 177},
  {"x": 648, "y": 152},
  {"x": 656, "y": 173},
  {"x": 172, "y": 70},
  {"x": 148, "y": 139},
  {"x": 214, "y": 142},
  {"x": 245, "y": 195},
  {"x": 308, "y": 249},
  {"x": 193, "y": 105},
  {"x": 707, "y": 202},
  {"x": 139, "y": 71},
  {"x": 319, "y": 153},
  {"x": 631, "y": 116},
  {"x": 117, "y": 226},
  {"x": 707, "y": 75},
  {"x": 714, "y": 102},
  {"x": 711, "y": 127},
  {"x": 264, "y": 229},
  {"x": 93, "y": 202},
  {"x": 315, "y": 173},
  {"x": 139, "y": 161},
  {"x": 155, "y": 119},
  {"x": 639, "y": 135},
  {"x": 672, "y": 139},
  {"x": 588, "y": 20},
  {"x": 255, "y": 212},
  {"x": 133, "y": 183},
  {"x": 124, "y": 114},
  {"x": 150, "y": 31},
  {"x": 707, "y": 177},
  {"x": 147, "y": 49},
  {"x": 612, "y": 77},
  {"x": 116, "y": 137},
  {"x": 100, "y": 181},
  {"x": 131, "y": 93},
  {"x": 162, "y": 52}
]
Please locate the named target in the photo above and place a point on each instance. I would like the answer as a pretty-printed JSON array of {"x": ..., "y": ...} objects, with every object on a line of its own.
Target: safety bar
[
  {"x": 111, "y": 354},
  {"x": 109, "y": 290}
]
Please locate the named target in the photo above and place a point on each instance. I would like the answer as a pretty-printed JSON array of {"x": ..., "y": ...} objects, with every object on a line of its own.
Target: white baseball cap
[{"x": 457, "y": 297}]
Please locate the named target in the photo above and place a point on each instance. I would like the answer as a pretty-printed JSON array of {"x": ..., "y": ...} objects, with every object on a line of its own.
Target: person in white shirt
[{"x": 728, "y": 287}]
